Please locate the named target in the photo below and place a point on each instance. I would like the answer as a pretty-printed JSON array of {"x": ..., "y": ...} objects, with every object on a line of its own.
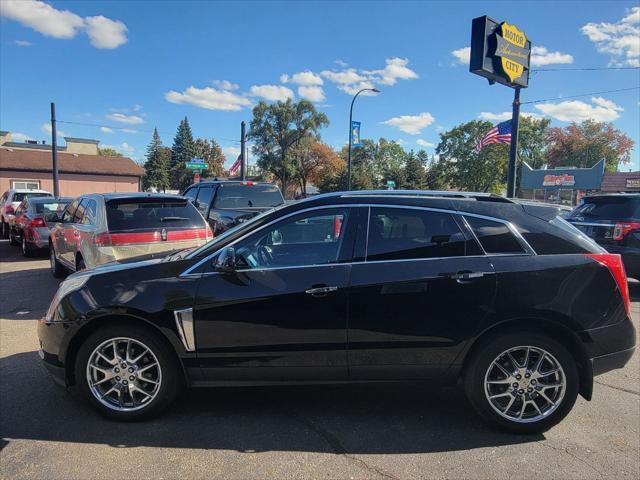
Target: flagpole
[{"x": 513, "y": 149}]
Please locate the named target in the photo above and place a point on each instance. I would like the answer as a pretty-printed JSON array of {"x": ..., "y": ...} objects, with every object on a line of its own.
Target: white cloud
[
  {"x": 21, "y": 137},
  {"x": 601, "y": 110},
  {"x": 209, "y": 98},
  {"x": 225, "y": 85},
  {"x": 495, "y": 117},
  {"x": 22, "y": 43},
  {"x": 424, "y": 143},
  {"x": 137, "y": 108},
  {"x": 344, "y": 77},
  {"x": 128, "y": 130},
  {"x": 105, "y": 33},
  {"x": 411, "y": 124},
  {"x": 231, "y": 153},
  {"x": 106, "y": 130},
  {"x": 312, "y": 93},
  {"x": 302, "y": 78},
  {"x": 540, "y": 56},
  {"x": 46, "y": 128},
  {"x": 341, "y": 63},
  {"x": 124, "y": 148},
  {"x": 396, "y": 68},
  {"x": 619, "y": 40},
  {"x": 463, "y": 55},
  {"x": 64, "y": 24},
  {"x": 128, "y": 119},
  {"x": 272, "y": 93}
]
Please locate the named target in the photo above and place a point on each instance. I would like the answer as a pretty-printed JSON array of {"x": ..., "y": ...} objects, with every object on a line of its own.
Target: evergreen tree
[
  {"x": 183, "y": 151},
  {"x": 157, "y": 165},
  {"x": 414, "y": 172}
]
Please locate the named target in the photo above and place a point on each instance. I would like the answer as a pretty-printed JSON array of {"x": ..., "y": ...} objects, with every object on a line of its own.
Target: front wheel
[
  {"x": 522, "y": 382},
  {"x": 127, "y": 372},
  {"x": 57, "y": 270}
]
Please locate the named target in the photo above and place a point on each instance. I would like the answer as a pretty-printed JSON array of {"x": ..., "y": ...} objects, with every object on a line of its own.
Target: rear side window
[
  {"x": 77, "y": 217},
  {"x": 560, "y": 239},
  {"x": 398, "y": 234},
  {"x": 90, "y": 212},
  {"x": 495, "y": 237},
  {"x": 133, "y": 214},
  {"x": 247, "y": 196},
  {"x": 20, "y": 196},
  {"x": 67, "y": 217},
  {"x": 50, "y": 207},
  {"x": 608, "y": 208},
  {"x": 204, "y": 198}
]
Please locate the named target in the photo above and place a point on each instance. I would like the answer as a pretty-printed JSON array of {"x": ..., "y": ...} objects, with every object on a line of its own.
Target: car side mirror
[{"x": 226, "y": 261}]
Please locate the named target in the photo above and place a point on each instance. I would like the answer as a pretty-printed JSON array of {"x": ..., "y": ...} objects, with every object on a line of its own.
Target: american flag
[
  {"x": 235, "y": 168},
  {"x": 501, "y": 133}
]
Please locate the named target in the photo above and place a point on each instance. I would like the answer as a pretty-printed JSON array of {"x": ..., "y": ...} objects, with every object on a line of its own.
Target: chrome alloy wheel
[
  {"x": 525, "y": 384},
  {"x": 124, "y": 374}
]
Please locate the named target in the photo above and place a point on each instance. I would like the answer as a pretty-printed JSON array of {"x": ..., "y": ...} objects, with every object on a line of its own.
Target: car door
[
  {"x": 282, "y": 314},
  {"x": 63, "y": 234},
  {"x": 421, "y": 293}
]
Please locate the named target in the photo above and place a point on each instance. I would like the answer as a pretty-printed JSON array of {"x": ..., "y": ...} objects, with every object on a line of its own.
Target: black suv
[
  {"x": 225, "y": 203},
  {"x": 362, "y": 286},
  {"x": 613, "y": 221}
]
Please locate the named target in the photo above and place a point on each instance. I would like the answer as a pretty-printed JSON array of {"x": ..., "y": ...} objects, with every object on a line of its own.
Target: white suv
[{"x": 10, "y": 200}]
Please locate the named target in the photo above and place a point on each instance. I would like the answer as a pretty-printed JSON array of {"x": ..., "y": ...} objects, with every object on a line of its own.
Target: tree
[
  {"x": 585, "y": 144},
  {"x": 533, "y": 140},
  {"x": 465, "y": 168},
  {"x": 414, "y": 171},
  {"x": 276, "y": 128},
  {"x": 157, "y": 165},
  {"x": 212, "y": 154},
  {"x": 108, "y": 152},
  {"x": 183, "y": 150},
  {"x": 313, "y": 160}
]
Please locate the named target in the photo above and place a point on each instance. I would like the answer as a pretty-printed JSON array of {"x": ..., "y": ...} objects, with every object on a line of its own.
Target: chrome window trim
[
  {"x": 593, "y": 224},
  {"x": 510, "y": 226}
]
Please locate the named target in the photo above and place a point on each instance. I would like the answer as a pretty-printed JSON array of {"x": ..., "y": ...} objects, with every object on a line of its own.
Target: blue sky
[{"x": 132, "y": 66}]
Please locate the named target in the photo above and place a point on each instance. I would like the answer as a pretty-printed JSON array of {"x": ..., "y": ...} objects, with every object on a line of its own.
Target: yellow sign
[{"x": 512, "y": 51}]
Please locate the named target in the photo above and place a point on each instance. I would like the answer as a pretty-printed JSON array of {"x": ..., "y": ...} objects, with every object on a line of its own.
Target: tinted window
[
  {"x": 242, "y": 196},
  {"x": 50, "y": 207},
  {"x": 79, "y": 214},
  {"x": 151, "y": 213},
  {"x": 19, "y": 196},
  {"x": 312, "y": 238},
  {"x": 562, "y": 238},
  {"x": 67, "y": 217},
  {"x": 495, "y": 237},
  {"x": 90, "y": 211},
  {"x": 204, "y": 198},
  {"x": 396, "y": 233},
  {"x": 191, "y": 193},
  {"x": 608, "y": 208}
]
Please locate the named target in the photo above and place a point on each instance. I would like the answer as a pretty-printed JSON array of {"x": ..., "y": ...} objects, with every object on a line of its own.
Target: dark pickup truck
[{"x": 225, "y": 203}]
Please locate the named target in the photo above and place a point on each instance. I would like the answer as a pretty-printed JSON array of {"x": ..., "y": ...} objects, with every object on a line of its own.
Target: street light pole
[{"x": 351, "y": 133}]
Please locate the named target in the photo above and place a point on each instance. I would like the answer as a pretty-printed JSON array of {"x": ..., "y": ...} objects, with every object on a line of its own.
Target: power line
[
  {"x": 581, "y": 95},
  {"x": 583, "y": 69}
]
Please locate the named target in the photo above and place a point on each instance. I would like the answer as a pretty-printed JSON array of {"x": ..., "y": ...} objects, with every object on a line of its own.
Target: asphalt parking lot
[{"x": 288, "y": 432}]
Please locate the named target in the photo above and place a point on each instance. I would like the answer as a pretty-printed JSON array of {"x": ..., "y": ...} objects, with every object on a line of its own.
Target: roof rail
[{"x": 478, "y": 196}]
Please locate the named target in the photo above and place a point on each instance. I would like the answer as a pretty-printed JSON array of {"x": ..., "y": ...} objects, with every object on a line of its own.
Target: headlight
[{"x": 71, "y": 284}]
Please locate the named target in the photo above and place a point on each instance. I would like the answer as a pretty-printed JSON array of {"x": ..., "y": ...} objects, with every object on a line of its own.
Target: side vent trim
[{"x": 184, "y": 324}]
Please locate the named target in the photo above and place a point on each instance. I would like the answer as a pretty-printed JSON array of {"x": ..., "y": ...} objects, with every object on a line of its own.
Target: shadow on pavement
[
  {"x": 25, "y": 290},
  {"x": 634, "y": 291},
  {"x": 359, "y": 419}
]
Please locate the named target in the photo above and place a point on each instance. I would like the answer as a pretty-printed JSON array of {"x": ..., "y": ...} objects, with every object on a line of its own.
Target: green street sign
[
  {"x": 196, "y": 166},
  {"x": 391, "y": 184}
]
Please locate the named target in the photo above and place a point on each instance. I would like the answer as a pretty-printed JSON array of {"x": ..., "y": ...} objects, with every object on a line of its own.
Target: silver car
[{"x": 102, "y": 228}]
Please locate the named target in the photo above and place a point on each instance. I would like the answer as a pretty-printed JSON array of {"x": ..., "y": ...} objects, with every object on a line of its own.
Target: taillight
[
  {"x": 102, "y": 240},
  {"x": 623, "y": 228},
  {"x": 337, "y": 226},
  {"x": 248, "y": 184},
  {"x": 209, "y": 233},
  {"x": 613, "y": 262},
  {"x": 37, "y": 222},
  {"x": 9, "y": 209}
]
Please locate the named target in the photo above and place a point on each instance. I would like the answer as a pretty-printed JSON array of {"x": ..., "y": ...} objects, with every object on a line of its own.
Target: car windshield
[
  {"x": 148, "y": 213},
  {"x": 608, "y": 208},
  {"x": 20, "y": 196},
  {"x": 51, "y": 207},
  {"x": 248, "y": 195}
]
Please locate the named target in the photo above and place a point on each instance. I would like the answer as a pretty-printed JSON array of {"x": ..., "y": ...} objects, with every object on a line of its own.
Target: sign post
[{"x": 501, "y": 53}]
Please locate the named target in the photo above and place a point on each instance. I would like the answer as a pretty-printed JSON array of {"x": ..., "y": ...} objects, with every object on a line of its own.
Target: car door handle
[
  {"x": 320, "y": 291},
  {"x": 465, "y": 276}
]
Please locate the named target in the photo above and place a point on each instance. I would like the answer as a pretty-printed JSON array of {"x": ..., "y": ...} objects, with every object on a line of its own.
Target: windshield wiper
[{"x": 171, "y": 219}]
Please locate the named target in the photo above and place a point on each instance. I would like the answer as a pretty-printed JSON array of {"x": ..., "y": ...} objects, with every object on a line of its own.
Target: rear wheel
[
  {"x": 127, "y": 372},
  {"x": 80, "y": 264},
  {"x": 12, "y": 238},
  {"x": 5, "y": 229},
  {"x": 522, "y": 382},
  {"x": 57, "y": 270}
]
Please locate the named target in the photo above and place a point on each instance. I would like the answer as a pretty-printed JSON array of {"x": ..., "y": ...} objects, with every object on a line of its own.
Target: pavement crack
[
  {"x": 339, "y": 449},
  {"x": 634, "y": 392},
  {"x": 566, "y": 450}
]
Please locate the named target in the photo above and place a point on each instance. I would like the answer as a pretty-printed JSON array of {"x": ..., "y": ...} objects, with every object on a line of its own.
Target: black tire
[
  {"x": 12, "y": 239},
  {"x": 5, "y": 229},
  {"x": 27, "y": 249},
  {"x": 483, "y": 357},
  {"x": 57, "y": 270},
  {"x": 80, "y": 264},
  {"x": 170, "y": 385}
]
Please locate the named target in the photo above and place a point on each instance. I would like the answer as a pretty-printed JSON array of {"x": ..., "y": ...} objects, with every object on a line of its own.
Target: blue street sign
[
  {"x": 197, "y": 160},
  {"x": 355, "y": 134}
]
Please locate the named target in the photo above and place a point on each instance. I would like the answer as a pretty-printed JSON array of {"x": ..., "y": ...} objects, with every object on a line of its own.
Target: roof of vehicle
[
  {"x": 135, "y": 195},
  {"x": 26, "y": 190},
  {"x": 613, "y": 195},
  {"x": 536, "y": 203},
  {"x": 49, "y": 199},
  {"x": 209, "y": 181}
]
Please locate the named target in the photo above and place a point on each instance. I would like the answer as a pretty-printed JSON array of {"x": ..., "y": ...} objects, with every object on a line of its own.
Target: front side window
[
  {"x": 191, "y": 193},
  {"x": 400, "y": 233},
  {"x": 90, "y": 211},
  {"x": 495, "y": 237},
  {"x": 67, "y": 216},
  {"x": 204, "y": 199},
  {"x": 312, "y": 238}
]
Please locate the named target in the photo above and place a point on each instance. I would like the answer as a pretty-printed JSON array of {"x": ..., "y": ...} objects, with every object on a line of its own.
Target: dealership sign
[
  {"x": 500, "y": 52},
  {"x": 558, "y": 181},
  {"x": 633, "y": 182}
]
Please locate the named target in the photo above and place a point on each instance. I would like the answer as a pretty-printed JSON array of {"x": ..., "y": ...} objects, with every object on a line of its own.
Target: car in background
[
  {"x": 613, "y": 221},
  {"x": 10, "y": 201},
  {"x": 34, "y": 218},
  {"x": 101, "y": 228},
  {"x": 355, "y": 287},
  {"x": 226, "y": 203}
]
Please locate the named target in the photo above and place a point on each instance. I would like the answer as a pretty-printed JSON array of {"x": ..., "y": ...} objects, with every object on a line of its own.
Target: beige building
[{"x": 80, "y": 169}]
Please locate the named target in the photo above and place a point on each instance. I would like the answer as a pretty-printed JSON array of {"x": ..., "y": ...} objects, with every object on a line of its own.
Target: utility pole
[
  {"x": 243, "y": 152},
  {"x": 513, "y": 149},
  {"x": 374, "y": 90},
  {"x": 54, "y": 151}
]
